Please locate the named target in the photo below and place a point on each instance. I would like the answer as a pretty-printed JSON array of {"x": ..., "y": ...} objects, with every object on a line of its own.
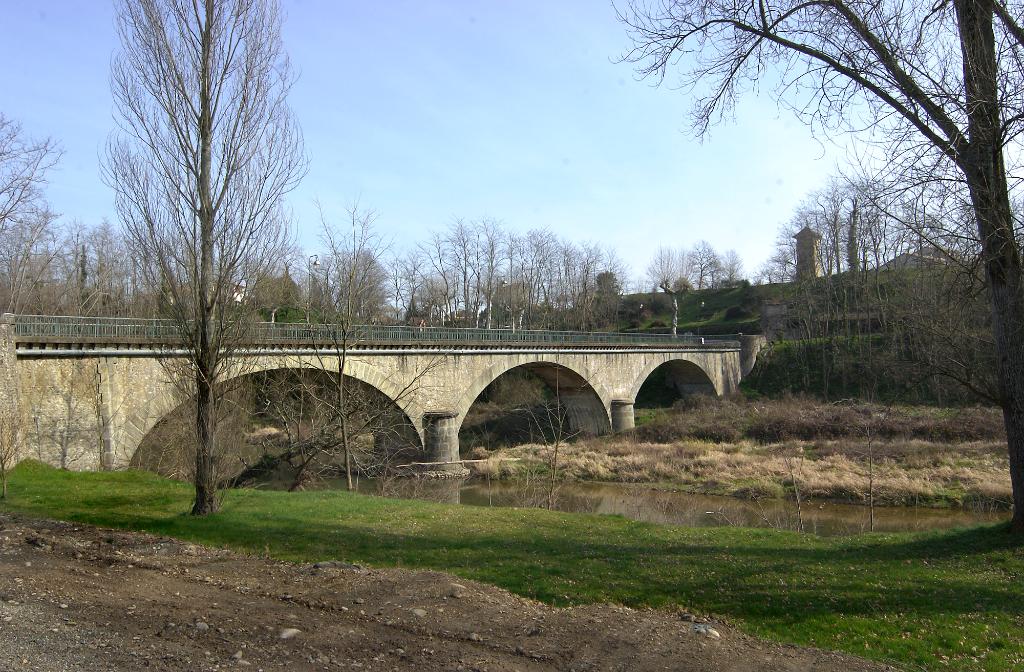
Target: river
[{"x": 667, "y": 507}]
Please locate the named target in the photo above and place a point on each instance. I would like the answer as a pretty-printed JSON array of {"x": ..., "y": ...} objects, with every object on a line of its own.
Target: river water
[{"x": 666, "y": 507}]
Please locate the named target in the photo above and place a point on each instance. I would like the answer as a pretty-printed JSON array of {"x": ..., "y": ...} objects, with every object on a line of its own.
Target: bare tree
[
  {"x": 24, "y": 165},
  {"x": 732, "y": 267},
  {"x": 490, "y": 232},
  {"x": 940, "y": 83},
  {"x": 357, "y": 423},
  {"x": 322, "y": 431},
  {"x": 704, "y": 265},
  {"x": 667, "y": 272},
  {"x": 552, "y": 429},
  {"x": 777, "y": 268},
  {"x": 206, "y": 151},
  {"x": 26, "y": 234}
]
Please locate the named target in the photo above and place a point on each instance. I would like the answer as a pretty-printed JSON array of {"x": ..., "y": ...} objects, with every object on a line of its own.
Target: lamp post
[
  {"x": 511, "y": 315},
  {"x": 501, "y": 284},
  {"x": 311, "y": 263}
]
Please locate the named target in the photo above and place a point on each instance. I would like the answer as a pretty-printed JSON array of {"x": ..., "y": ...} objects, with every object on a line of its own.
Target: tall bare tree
[
  {"x": 206, "y": 151},
  {"x": 704, "y": 265},
  {"x": 350, "y": 413},
  {"x": 25, "y": 218},
  {"x": 732, "y": 267},
  {"x": 667, "y": 272},
  {"x": 940, "y": 83},
  {"x": 24, "y": 164}
]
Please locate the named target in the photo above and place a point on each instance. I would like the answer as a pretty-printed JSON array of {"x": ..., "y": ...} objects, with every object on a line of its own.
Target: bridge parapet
[{"x": 66, "y": 330}]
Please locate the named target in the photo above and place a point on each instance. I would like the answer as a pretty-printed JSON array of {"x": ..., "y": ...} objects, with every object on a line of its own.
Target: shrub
[
  {"x": 706, "y": 418},
  {"x": 737, "y": 313}
]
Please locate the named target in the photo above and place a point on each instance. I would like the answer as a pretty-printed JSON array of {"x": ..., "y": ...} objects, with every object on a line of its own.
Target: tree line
[
  {"x": 471, "y": 273},
  {"x": 899, "y": 310}
]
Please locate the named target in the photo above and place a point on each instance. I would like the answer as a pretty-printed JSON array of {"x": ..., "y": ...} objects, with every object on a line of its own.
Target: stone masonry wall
[
  {"x": 9, "y": 388},
  {"x": 93, "y": 412},
  {"x": 59, "y": 406}
]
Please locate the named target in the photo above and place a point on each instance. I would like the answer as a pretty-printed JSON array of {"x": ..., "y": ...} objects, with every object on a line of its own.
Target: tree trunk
[
  {"x": 206, "y": 420},
  {"x": 205, "y": 476},
  {"x": 346, "y": 447},
  {"x": 983, "y": 164}
]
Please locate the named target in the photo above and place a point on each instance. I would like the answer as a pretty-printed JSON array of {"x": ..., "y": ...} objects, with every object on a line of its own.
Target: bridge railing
[{"x": 113, "y": 329}]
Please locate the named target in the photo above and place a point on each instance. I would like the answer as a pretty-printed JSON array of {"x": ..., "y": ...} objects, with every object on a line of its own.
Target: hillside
[{"x": 726, "y": 310}]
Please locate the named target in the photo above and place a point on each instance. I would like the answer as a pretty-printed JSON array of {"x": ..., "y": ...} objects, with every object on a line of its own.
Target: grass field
[{"x": 944, "y": 601}]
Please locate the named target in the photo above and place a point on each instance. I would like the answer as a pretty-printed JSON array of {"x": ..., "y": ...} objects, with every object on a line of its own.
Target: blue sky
[{"x": 427, "y": 111}]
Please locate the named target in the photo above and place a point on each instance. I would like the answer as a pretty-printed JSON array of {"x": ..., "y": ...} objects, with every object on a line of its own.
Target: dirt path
[{"x": 74, "y": 597}]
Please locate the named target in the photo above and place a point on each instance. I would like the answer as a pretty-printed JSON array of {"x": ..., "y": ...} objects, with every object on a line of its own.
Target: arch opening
[
  {"x": 288, "y": 427},
  {"x": 537, "y": 402},
  {"x": 671, "y": 381}
]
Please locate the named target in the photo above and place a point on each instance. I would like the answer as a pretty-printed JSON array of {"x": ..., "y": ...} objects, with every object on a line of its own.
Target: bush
[
  {"x": 737, "y": 313},
  {"x": 698, "y": 417},
  {"x": 707, "y": 418},
  {"x": 787, "y": 420}
]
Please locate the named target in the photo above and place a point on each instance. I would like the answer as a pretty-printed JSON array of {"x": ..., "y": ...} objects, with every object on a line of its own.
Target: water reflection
[{"x": 643, "y": 503}]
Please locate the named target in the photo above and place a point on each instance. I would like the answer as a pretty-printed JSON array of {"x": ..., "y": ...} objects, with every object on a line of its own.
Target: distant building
[
  {"x": 808, "y": 262},
  {"x": 926, "y": 255}
]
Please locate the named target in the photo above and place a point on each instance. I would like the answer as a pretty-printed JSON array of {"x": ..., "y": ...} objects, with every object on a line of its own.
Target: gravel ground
[{"x": 79, "y": 598}]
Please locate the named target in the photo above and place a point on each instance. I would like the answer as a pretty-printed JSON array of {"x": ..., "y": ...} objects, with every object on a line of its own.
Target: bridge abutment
[
  {"x": 10, "y": 402},
  {"x": 750, "y": 347},
  {"x": 623, "y": 418}
]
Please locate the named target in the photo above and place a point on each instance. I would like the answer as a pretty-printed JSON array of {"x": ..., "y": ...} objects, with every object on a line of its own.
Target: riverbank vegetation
[
  {"x": 910, "y": 473},
  {"x": 943, "y": 600},
  {"x": 807, "y": 419},
  {"x": 850, "y": 452}
]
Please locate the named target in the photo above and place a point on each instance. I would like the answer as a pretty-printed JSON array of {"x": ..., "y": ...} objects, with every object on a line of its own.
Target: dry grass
[{"x": 905, "y": 472}]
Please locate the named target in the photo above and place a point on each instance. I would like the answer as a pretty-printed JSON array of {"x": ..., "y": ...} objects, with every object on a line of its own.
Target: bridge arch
[
  {"x": 356, "y": 368},
  {"x": 682, "y": 375},
  {"x": 142, "y": 420},
  {"x": 585, "y": 399}
]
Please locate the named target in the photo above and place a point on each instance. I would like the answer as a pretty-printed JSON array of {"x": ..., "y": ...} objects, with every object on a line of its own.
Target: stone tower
[{"x": 808, "y": 264}]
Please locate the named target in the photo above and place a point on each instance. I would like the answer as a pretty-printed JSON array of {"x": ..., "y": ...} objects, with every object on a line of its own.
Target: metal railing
[{"x": 114, "y": 329}]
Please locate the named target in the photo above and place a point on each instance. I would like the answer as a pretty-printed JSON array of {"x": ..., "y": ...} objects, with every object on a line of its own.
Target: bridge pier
[
  {"x": 622, "y": 415},
  {"x": 441, "y": 442}
]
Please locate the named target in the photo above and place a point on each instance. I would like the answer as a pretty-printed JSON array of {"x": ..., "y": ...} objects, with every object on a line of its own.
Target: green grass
[
  {"x": 723, "y": 310},
  {"x": 944, "y": 600}
]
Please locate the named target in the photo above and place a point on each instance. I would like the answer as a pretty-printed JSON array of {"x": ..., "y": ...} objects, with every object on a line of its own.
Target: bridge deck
[{"x": 72, "y": 332}]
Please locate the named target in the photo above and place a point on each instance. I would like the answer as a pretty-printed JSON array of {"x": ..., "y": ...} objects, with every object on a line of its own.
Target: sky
[{"x": 428, "y": 111}]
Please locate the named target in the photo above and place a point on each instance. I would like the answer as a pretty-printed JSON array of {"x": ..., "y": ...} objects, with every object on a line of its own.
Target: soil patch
[{"x": 76, "y": 597}]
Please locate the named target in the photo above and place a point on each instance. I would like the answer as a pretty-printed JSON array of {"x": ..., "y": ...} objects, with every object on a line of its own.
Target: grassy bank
[
  {"x": 949, "y": 600},
  {"x": 904, "y": 473},
  {"x": 920, "y": 456}
]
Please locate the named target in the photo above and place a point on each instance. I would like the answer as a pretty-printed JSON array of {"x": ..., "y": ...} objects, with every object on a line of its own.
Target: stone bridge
[{"x": 89, "y": 389}]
